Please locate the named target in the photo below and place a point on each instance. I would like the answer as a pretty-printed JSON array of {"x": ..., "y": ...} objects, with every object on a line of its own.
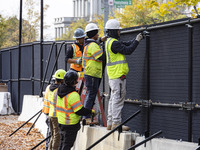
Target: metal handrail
[
  {"x": 47, "y": 66},
  {"x": 198, "y": 148},
  {"x": 63, "y": 43},
  {"x": 25, "y": 122},
  {"x": 41, "y": 142},
  {"x": 119, "y": 126},
  {"x": 146, "y": 140}
]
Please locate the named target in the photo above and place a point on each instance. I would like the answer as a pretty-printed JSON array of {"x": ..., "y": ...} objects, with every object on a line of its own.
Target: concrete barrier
[
  {"x": 31, "y": 105},
  {"x": 165, "y": 144},
  {"x": 89, "y": 135}
]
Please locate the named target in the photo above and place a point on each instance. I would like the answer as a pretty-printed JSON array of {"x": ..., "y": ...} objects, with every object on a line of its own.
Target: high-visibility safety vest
[
  {"x": 52, "y": 103},
  {"x": 92, "y": 66},
  {"x": 76, "y": 55},
  {"x": 46, "y": 104},
  {"x": 116, "y": 63},
  {"x": 66, "y": 108}
]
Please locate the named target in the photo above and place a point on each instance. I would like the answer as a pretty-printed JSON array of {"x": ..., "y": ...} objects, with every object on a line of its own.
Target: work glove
[
  {"x": 139, "y": 37},
  {"x": 79, "y": 61},
  {"x": 94, "y": 112}
]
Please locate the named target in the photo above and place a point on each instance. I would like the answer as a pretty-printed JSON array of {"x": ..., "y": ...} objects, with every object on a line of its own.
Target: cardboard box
[{"x": 3, "y": 87}]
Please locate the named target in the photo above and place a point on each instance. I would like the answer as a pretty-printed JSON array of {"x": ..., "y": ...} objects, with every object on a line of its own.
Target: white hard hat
[
  {"x": 91, "y": 27},
  {"x": 112, "y": 24}
]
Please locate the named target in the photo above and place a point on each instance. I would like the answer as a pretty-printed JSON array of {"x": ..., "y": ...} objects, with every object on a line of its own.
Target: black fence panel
[
  {"x": 169, "y": 64},
  {"x": 196, "y": 63},
  {"x": 164, "y": 69},
  {"x": 137, "y": 124},
  {"x": 37, "y": 67}
]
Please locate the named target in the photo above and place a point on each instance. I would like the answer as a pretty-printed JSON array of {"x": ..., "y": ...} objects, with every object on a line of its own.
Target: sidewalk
[{"x": 19, "y": 140}]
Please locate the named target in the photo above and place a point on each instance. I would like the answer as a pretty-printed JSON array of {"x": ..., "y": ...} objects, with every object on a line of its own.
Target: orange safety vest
[
  {"x": 76, "y": 55},
  {"x": 46, "y": 105}
]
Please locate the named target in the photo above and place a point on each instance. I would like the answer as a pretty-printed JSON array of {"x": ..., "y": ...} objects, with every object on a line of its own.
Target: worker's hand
[
  {"x": 103, "y": 39},
  {"x": 79, "y": 61},
  {"x": 139, "y": 37},
  {"x": 94, "y": 112}
]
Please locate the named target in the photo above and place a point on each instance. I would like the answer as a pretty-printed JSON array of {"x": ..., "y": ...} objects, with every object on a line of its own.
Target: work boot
[
  {"x": 109, "y": 127},
  {"x": 124, "y": 128}
]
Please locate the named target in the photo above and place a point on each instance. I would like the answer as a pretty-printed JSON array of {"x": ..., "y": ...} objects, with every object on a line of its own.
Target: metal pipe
[
  {"x": 190, "y": 78},
  {"x": 41, "y": 142},
  {"x": 10, "y": 72},
  {"x": 25, "y": 123},
  {"x": 147, "y": 133},
  {"x": 19, "y": 55},
  {"x": 101, "y": 139},
  {"x": 160, "y": 26},
  {"x": 34, "y": 123},
  {"x": 56, "y": 61},
  {"x": 41, "y": 42},
  {"x": 158, "y": 104},
  {"x": 33, "y": 73},
  {"x": 47, "y": 66},
  {"x": 146, "y": 140}
]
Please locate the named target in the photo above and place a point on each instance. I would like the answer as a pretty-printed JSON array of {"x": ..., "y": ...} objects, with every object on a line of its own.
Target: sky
[{"x": 57, "y": 8}]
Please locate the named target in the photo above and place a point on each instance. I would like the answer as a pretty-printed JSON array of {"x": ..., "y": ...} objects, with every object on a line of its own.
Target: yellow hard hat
[{"x": 59, "y": 74}]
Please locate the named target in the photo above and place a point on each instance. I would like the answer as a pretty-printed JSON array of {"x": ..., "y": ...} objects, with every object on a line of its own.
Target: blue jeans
[{"x": 92, "y": 84}]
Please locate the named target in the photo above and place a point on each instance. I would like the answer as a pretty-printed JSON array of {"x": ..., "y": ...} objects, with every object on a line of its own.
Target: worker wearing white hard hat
[
  {"x": 93, "y": 64},
  {"x": 117, "y": 69}
]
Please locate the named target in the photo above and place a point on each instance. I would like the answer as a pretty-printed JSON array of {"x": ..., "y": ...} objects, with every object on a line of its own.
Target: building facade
[{"x": 86, "y": 9}]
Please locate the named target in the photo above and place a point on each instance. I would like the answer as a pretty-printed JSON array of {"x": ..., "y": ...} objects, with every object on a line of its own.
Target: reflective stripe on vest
[
  {"x": 92, "y": 66},
  {"x": 52, "y": 101},
  {"x": 76, "y": 55},
  {"x": 109, "y": 63},
  {"x": 116, "y": 63},
  {"x": 46, "y": 104},
  {"x": 66, "y": 114}
]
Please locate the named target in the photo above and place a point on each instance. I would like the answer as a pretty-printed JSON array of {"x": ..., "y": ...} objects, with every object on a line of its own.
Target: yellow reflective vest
[
  {"x": 76, "y": 55},
  {"x": 92, "y": 66},
  {"x": 52, "y": 103},
  {"x": 66, "y": 108},
  {"x": 46, "y": 104},
  {"x": 116, "y": 63}
]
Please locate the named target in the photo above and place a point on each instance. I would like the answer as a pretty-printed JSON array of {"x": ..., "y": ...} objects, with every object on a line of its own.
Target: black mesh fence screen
[{"x": 159, "y": 70}]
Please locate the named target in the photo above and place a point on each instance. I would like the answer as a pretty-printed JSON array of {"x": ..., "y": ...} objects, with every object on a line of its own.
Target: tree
[
  {"x": 190, "y": 3},
  {"x": 144, "y": 12},
  {"x": 81, "y": 23},
  {"x": 11, "y": 32},
  {"x": 3, "y": 25},
  {"x": 33, "y": 17}
]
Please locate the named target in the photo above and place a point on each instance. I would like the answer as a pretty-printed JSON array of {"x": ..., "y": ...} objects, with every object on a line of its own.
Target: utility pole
[{"x": 106, "y": 13}]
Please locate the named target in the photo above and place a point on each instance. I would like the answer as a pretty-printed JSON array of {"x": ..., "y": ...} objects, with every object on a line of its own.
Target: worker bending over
[{"x": 69, "y": 110}]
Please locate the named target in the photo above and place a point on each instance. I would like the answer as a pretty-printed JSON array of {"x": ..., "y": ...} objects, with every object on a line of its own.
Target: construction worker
[
  {"x": 117, "y": 69},
  {"x": 53, "y": 121},
  {"x": 69, "y": 110},
  {"x": 74, "y": 51},
  {"x": 92, "y": 64}
]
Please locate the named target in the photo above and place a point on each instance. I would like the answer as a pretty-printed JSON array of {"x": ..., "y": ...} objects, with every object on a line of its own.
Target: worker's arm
[
  {"x": 69, "y": 55},
  {"x": 84, "y": 111},
  {"x": 120, "y": 47}
]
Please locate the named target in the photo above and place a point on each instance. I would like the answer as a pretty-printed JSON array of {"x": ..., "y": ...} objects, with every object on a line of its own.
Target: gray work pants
[{"x": 116, "y": 102}]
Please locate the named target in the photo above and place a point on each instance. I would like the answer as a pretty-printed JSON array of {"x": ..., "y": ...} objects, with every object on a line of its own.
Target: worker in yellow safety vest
[
  {"x": 69, "y": 110},
  {"x": 92, "y": 64},
  {"x": 75, "y": 51},
  {"x": 53, "y": 121},
  {"x": 117, "y": 69}
]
